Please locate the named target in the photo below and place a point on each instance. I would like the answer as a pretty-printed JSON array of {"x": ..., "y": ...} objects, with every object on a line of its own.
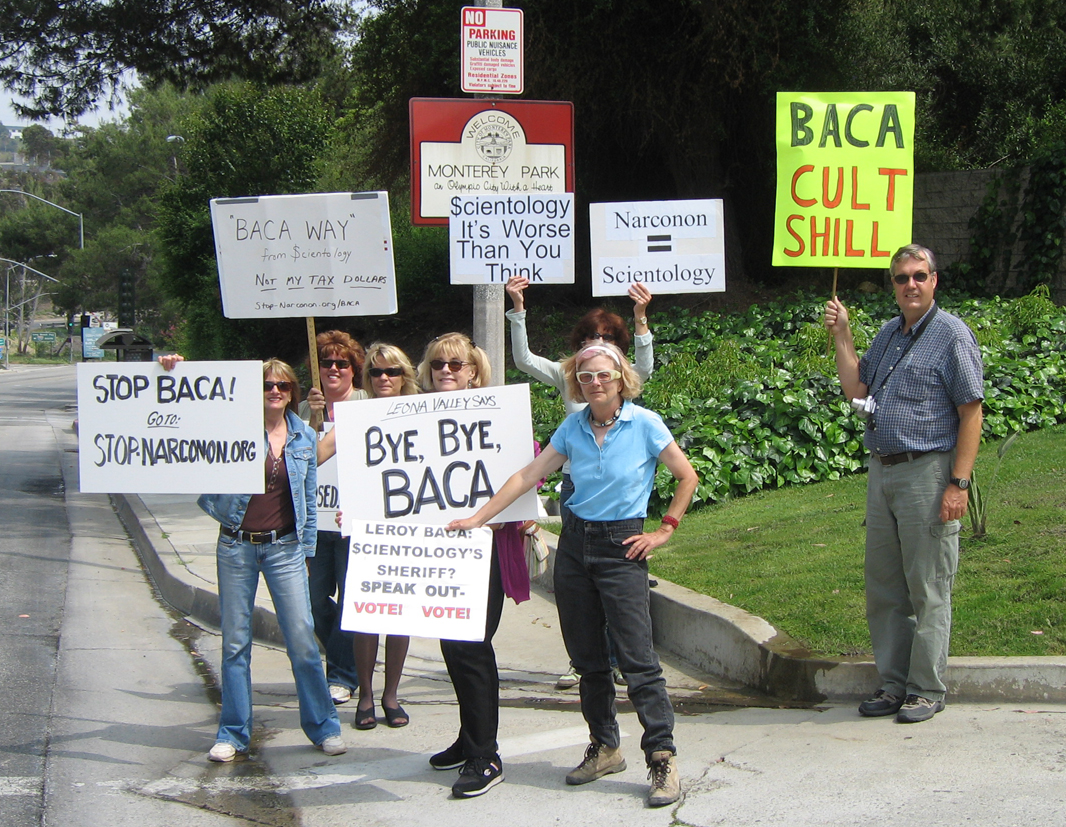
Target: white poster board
[
  {"x": 494, "y": 237},
  {"x": 328, "y": 494},
  {"x": 193, "y": 430},
  {"x": 409, "y": 579},
  {"x": 323, "y": 254},
  {"x": 670, "y": 246},
  {"x": 432, "y": 458}
]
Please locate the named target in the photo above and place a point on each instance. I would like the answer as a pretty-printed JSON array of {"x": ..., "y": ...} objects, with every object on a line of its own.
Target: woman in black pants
[{"x": 453, "y": 363}]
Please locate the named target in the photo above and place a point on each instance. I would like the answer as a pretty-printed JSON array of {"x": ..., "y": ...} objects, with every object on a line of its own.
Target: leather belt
[
  {"x": 896, "y": 459},
  {"x": 258, "y": 537}
]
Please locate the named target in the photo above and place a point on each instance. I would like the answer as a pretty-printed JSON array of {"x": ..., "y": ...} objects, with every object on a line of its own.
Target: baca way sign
[{"x": 322, "y": 254}]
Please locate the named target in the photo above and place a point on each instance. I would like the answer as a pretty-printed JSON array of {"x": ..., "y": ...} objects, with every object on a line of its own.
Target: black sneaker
[
  {"x": 880, "y": 704},
  {"x": 478, "y": 776},
  {"x": 450, "y": 759}
]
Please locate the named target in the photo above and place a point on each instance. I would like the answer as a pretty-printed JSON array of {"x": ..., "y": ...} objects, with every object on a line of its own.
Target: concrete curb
[
  {"x": 713, "y": 636},
  {"x": 163, "y": 563}
]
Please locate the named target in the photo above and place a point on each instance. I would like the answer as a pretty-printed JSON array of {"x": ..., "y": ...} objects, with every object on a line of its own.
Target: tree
[
  {"x": 246, "y": 141},
  {"x": 40, "y": 146},
  {"x": 64, "y": 57},
  {"x": 671, "y": 100}
]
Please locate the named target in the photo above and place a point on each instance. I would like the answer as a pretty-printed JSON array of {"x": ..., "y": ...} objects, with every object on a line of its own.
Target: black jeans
[
  {"x": 472, "y": 668},
  {"x": 596, "y": 585},
  {"x": 326, "y": 572}
]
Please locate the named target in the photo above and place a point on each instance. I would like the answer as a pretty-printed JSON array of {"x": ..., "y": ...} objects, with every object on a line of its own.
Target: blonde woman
[
  {"x": 386, "y": 372},
  {"x": 601, "y": 570},
  {"x": 453, "y": 363}
]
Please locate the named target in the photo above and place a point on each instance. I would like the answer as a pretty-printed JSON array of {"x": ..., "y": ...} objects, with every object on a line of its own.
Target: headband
[{"x": 592, "y": 350}]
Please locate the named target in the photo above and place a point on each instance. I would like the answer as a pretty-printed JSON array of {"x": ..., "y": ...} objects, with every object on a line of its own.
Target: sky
[{"x": 9, "y": 118}]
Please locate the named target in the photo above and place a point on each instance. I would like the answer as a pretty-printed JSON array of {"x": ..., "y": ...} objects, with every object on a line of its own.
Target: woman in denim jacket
[{"x": 272, "y": 533}]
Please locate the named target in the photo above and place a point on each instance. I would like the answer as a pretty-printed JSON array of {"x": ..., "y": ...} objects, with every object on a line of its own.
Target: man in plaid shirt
[{"x": 923, "y": 374}]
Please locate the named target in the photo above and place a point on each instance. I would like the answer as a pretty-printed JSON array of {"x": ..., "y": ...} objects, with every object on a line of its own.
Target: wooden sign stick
[{"x": 316, "y": 380}]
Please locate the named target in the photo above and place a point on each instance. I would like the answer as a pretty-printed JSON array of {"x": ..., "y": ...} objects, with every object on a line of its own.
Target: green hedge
[{"x": 754, "y": 401}]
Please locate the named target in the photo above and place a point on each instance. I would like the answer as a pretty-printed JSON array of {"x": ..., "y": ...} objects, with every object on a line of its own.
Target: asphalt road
[
  {"x": 108, "y": 710},
  {"x": 101, "y": 696}
]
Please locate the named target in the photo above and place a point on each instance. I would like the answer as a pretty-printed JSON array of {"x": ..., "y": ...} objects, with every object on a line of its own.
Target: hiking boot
[
  {"x": 477, "y": 777},
  {"x": 916, "y": 709},
  {"x": 880, "y": 704},
  {"x": 599, "y": 761},
  {"x": 665, "y": 782},
  {"x": 449, "y": 759}
]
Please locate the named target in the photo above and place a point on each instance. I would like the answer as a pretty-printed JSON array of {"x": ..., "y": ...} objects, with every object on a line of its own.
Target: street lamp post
[
  {"x": 8, "y": 308},
  {"x": 80, "y": 217},
  {"x": 81, "y": 242}
]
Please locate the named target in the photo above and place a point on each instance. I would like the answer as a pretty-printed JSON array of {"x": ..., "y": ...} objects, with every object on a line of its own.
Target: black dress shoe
[{"x": 880, "y": 704}]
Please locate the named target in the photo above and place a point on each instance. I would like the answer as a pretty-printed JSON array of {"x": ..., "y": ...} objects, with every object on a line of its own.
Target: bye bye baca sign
[{"x": 432, "y": 458}]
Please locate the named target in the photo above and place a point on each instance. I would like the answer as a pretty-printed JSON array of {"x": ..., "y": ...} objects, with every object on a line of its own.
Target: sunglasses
[
  {"x": 284, "y": 387},
  {"x": 603, "y": 337},
  {"x": 919, "y": 277},
  {"x": 339, "y": 364},
  {"x": 586, "y": 377},
  {"x": 454, "y": 365},
  {"x": 391, "y": 371}
]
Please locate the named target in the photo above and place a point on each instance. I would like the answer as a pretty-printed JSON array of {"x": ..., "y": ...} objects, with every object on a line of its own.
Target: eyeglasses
[
  {"x": 390, "y": 371},
  {"x": 339, "y": 364},
  {"x": 454, "y": 365},
  {"x": 604, "y": 337},
  {"x": 919, "y": 277},
  {"x": 586, "y": 377},
  {"x": 284, "y": 387}
]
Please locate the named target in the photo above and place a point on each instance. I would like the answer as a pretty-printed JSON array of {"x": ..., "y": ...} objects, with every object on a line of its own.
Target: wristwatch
[
  {"x": 961, "y": 482},
  {"x": 643, "y": 320}
]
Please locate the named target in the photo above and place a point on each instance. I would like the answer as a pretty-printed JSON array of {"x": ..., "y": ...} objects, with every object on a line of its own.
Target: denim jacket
[{"x": 301, "y": 466}]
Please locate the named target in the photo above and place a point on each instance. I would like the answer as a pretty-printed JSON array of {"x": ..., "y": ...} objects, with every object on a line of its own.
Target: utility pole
[{"x": 488, "y": 300}]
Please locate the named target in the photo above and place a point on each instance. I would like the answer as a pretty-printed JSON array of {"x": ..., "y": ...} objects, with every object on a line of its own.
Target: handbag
[{"x": 536, "y": 549}]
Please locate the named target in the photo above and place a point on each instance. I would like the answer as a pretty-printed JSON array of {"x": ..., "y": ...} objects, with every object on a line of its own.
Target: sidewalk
[{"x": 712, "y": 653}]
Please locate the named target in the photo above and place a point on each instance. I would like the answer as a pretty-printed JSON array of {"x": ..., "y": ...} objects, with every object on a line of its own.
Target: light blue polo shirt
[{"x": 612, "y": 482}]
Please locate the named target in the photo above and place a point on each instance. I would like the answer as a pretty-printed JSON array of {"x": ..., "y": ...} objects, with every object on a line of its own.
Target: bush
[{"x": 754, "y": 401}]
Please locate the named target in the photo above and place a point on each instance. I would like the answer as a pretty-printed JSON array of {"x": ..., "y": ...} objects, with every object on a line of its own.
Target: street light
[
  {"x": 81, "y": 240},
  {"x": 8, "y": 308},
  {"x": 81, "y": 219}
]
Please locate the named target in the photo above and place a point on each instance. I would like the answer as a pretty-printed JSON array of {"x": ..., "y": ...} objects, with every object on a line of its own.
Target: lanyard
[{"x": 910, "y": 344}]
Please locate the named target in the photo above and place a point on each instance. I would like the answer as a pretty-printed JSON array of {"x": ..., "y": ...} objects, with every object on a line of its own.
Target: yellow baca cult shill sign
[{"x": 845, "y": 178}]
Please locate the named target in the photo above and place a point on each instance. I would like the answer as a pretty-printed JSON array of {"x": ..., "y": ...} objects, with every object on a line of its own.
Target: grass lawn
[{"x": 794, "y": 557}]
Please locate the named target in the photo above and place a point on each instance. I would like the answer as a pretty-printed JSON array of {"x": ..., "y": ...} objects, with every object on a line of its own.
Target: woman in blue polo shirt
[{"x": 601, "y": 570}]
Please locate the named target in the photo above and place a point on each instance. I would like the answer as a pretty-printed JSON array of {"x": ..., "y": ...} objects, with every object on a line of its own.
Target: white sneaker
[
  {"x": 222, "y": 752},
  {"x": 570, "y": 679},
  {"x": 334, "y": 745},
  {"x": 340, "y": 694}
]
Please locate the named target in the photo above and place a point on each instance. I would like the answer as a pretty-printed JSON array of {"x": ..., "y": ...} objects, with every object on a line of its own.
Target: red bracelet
[{"x": 671, "y": 521}]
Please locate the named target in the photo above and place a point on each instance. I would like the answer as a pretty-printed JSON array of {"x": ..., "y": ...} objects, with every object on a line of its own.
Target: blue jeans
[
  {"x": 326, "y": 573},
  {"x": 282, "y": 564},
  {"x": 596, "y": 587}
]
